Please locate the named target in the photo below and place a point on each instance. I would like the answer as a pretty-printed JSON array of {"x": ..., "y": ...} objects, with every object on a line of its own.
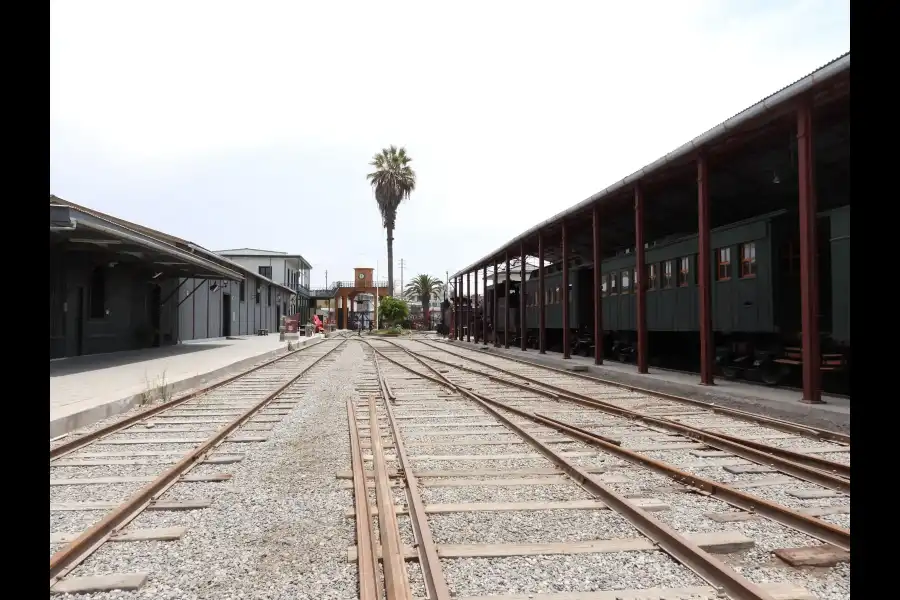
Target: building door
[
  {"x": 79, "y": 322},
  {"x": 278, "y": 317},
  {"x": 155, "y": 314},
  {"x": 226, "y": 315}
]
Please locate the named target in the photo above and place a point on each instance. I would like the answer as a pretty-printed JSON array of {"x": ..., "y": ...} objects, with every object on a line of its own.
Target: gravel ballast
[{"x": 276, "y": 530}]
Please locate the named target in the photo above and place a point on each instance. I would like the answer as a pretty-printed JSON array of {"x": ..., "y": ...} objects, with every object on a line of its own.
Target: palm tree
[
  {"x": 424, "y": 288},
  {"x": 393, "y": 181}
]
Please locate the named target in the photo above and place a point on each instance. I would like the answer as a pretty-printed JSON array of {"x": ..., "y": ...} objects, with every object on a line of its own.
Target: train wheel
[
  {"x": 772, "y": 374},
  {"x": 730, "y": 372}
]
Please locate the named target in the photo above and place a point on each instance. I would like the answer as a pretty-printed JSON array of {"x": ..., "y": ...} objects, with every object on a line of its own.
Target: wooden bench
[{"x": 262, "y": 332}]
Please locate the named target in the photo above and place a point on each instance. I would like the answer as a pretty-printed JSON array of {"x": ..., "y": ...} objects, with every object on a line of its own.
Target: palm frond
[{"x": 393, "y": 181}]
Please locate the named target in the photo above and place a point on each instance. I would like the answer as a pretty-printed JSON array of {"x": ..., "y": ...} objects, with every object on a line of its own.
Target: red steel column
[
  {"x": 565, "y": 291},
  {"x": 809, "y": 269},
  {"x": 506, "y": 307},
  {"x": 484, "y": 308},
  {"x": 639, "y": 277},
  {"x": 495, "y": 308},
  {"x": 470, "y": 320},
  {"x": 522, "y": 322},
  {"x": 542, "y": 323},
  {"x": 704, "y": 268},
  {"x": 474, "y": 316},
  {"x": 459, "y": 308},
  {"x": 598, "y": 289}
]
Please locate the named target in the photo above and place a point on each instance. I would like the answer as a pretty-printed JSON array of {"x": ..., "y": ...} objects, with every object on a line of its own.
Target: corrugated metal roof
[{"x": 775, "y": 100}]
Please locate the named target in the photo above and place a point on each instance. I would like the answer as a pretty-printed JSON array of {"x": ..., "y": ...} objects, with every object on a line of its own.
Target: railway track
[
  {"x": 490, "y": 500},
  {"x": 781, "y": 463},
  {"x": 102, "y": 481}
]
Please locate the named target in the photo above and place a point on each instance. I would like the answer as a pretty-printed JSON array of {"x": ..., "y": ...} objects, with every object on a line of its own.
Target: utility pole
[{"x": 402, "y": 264}]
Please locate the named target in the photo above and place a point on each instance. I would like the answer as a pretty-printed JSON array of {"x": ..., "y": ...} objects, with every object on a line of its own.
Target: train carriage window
[
  {"x": 557, "y": 294},
  {"x": 684, "y": 271},
  {"x": 626, "y": 281},
  {"x": 571, "y": 295},
  {"x": 604, "y": 284},
  {"x": 748, "y": 260},
  {"x": 723, "y": 267},
  {"x": 668, "y": 267},
  {"x": 652, "y": 276},
  {"x": 613, "y": 280}
]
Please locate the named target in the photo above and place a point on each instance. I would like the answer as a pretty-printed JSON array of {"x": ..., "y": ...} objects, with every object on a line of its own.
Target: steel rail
[
  {"x": 78, "y": 443},
  {"x": 816, "y": 470},
  {"x": 435, "y": 582},
  {"x": 396, "y": 580},
  {"x": 667, "y": 539},
  {"x": 811, "y": 526},
  {"x": 772, "y": 422},
  {"x": 66, "y": 559},
  {"x": 370, "y": 587}
]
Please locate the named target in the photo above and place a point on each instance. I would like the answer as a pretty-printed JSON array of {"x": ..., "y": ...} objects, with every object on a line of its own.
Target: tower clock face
[{"x": 361, "y": 276}]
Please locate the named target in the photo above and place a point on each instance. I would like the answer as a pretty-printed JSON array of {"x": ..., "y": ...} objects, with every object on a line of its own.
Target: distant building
[{"x": 290, "y": 270}]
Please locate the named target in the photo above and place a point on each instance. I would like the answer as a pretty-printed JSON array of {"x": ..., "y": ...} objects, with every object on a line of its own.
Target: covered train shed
[{"x": 778, "y": 174}]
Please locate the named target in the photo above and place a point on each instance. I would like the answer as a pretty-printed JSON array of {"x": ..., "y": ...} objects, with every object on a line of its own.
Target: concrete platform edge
[
  {"x": 792, "y": 411},
  {"x": 91, "y": 415}
]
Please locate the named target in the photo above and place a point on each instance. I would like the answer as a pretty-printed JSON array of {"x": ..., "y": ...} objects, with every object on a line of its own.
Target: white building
[{"x": 290, "y": 270}]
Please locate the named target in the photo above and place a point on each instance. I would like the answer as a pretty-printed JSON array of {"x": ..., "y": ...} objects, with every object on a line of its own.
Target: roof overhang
[
  {"x": 88, "y": 231},
  {"x": 769, "y": 107}
]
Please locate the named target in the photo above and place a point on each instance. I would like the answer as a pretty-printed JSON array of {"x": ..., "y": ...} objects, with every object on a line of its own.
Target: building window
[
  {"x": 684, "y": 271},
  {"x": 668, "y": 268},
  {"x": 242, "y": 291},
  {"x": 269, "y": 293},
  {"x": 98, "y": 293},
  {"x": 266, "y": 271},
  {"x": 604, "y": 284},
  {"x": 723, "y": 268},
  {"x": 652, "y": 279},
  {"x": 557, "y": 295},
  {"x": 748, "y": 259},
  {"x": 626, "y": 281},
  {"x": 258, "y": 291},
  {"x": 613, "y": 280}
]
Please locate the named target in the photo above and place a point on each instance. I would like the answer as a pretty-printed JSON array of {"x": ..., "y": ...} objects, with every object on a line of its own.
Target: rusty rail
[
  {"x": 791, "y": 463},
  {"x": 816, "y": 528},
  {"x": 779, "y": 424},
  {"x": 435, "y": 581},
  {"x": 396, "y": 582},
  {"x": 78, "y": 443},
  {"x": 669, "y": 540},
  {"x": 370, "y": 585},
  {"x": 66, "y": 559}
]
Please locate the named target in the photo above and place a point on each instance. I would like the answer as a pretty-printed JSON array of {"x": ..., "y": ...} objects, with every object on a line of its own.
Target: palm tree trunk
[
  {"x": 390, "y": 249},
  {"x": 426, "y": 316}
]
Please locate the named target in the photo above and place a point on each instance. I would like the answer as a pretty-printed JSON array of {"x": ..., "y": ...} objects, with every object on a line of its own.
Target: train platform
[
  {"x": 87, "y": 389},
  {"x": 778, "y": 402}
]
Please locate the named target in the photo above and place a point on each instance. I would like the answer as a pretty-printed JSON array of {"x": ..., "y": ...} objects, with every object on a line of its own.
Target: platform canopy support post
[
  {"x": 565, "y": 291},
  {"x": 495, "y": 311},
  {"x": 470, "y": 315},
  {"x": 474, "y": 313},
  {"x": 640, "y": 278},
  {"x": 704, "y": 273},
  {"x": 542, "y": 317},
  {"x": 522, "y": 296},
  {"x": 809, "y": 273},
  {"x": 484, "y": 308},
  {"x": 506, "y": 306},
  {"x": 598, "y": 287}
]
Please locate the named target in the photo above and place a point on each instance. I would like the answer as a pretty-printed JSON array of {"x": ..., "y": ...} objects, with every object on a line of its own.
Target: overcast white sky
[{"x": 237, "y": 124}]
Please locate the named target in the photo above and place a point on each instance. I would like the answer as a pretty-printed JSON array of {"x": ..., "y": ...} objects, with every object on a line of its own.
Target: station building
[
  {"x": 290, "y": 270},
  {"x": 116, "y": 286}
]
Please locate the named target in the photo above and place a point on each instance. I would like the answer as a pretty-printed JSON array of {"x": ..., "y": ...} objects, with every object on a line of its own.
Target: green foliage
[
  {"x": 423, "y": 288},
  {"x": 392, "y": 310},
  {"x": 393, "y": 181}
]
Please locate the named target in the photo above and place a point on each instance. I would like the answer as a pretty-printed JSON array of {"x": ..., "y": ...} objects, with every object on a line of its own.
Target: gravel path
[{"x": 276, "y": 530}]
